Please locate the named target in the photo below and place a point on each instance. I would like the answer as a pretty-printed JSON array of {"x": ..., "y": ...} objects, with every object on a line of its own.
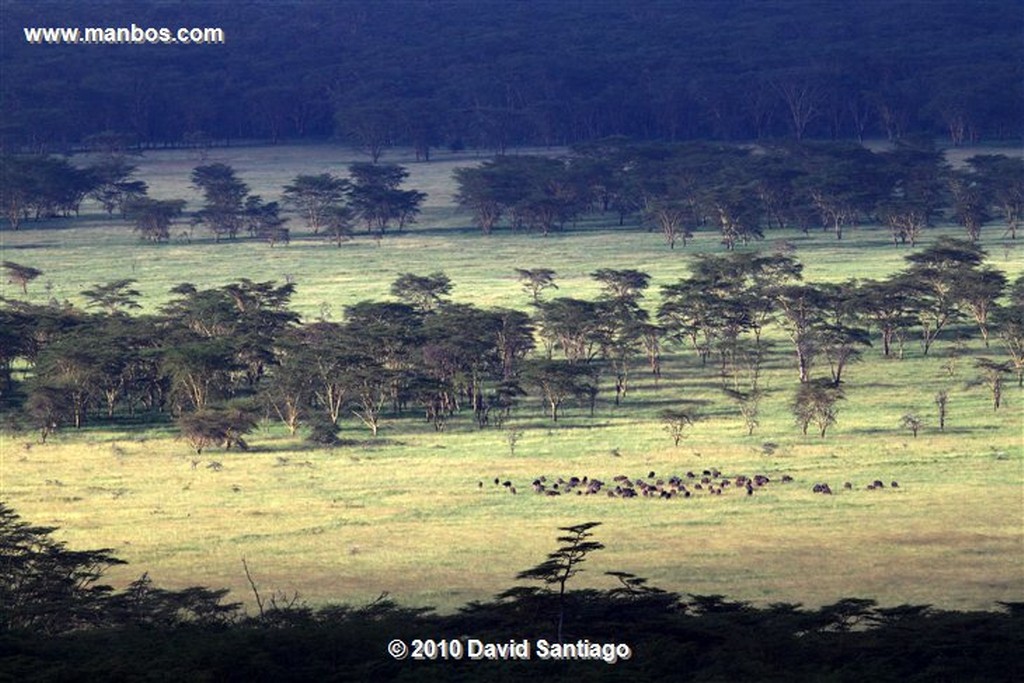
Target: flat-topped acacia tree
[{"x": 563, "y": 564}]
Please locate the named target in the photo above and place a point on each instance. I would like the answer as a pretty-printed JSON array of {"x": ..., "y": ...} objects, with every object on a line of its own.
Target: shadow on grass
[{"x": 634, "y": 632}]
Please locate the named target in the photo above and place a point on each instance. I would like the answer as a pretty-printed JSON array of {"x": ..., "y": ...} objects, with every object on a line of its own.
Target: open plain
[{"x": 417, "y": 513}]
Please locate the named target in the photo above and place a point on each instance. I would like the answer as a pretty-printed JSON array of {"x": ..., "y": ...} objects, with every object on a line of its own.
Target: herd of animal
[{"x": 707, "y": 482}]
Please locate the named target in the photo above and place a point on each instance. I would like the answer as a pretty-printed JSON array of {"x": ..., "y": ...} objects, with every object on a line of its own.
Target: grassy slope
[{"x": 408, "y": 515}]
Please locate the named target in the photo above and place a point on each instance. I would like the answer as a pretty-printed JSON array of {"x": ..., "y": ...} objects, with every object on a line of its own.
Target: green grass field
[{"x": 407, "y": 514}]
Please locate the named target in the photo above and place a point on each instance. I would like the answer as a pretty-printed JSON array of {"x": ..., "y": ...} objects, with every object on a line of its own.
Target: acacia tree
[
  {"x": 942, "y": 403},
  {"x": 481, "y": 193},
  {"x": 114, "y": 297},
  {"x": 993, "y": 374},
  {"x": 370, "y": 126},
  {"x": 224, "y": 196},
  {"x": 557, "y": 194},
  {"x": 48, "y": 408},
  {"x": 199, "y": 371},
  {"x": 801, "y": 307},
  {"x": 889, "y": 305},
  {"x": 625, "y": 323},
  {"x": 43, "y": 186},
  {"x": 371, "y": 386},
  {"x": 1002, "y": 182},
  {"x": 122, "y": 349},
  {"x": 289, "y": 391},
  {"x": 840, "y": 334},
  {"x": 423, "y": 292},
  {"x": 730, "y": 199},
  {"x": 244, "y": 316},
  {"x": 673, "y": 218},
  {"x": 515, "y": 339},
  {"x": 377, "y": 199},
  {"x": 841, "y": 182},
  {"x": 153, "y": 217},
  {"x": 472, "y": 355},
  {"x": 689, "y": 312},
  {"x": 217, "y": 426},
  {"x": 675, "y": 423},
  {"x": 934, "y": 278},
  {"x": 114, "y": 187},
  {"x": 16, "y": 330},
  {"x": 559, "y": 380},
  {"x": 263, "y": 220},
  {"x": 622, "y": 286},
  {"x": 915, "y": 173},
  {"x": 48, "y": 590},
  {"x": 317, "y": 197},
  {"x": 77, "y": 363},
  {"x": 977, "y": 291},
  {"x": 912, "y": 422},
  {"x": 573, "y": 325},
  {"x": 312, "y": 371},
  {"x": 390, "y": 333},
  {"x": 16, "y": 189},
  {"x": 802, "y": 96},
  {"x": 625, "y": 336},
  {"x": 338, "y": 223},
  {"x": 970, "y": 204},
  {"x": 817, "y": 401},
  {"x": 1009, "y": 326},
  {"x": 536, "y": 280},
  {"x": 563, "y": 564}
]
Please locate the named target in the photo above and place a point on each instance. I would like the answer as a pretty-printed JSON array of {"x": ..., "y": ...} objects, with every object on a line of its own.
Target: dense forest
[{"x": 511, "y": 73}]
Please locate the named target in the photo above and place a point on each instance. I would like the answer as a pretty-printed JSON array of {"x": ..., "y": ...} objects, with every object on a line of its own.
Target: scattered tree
[
  {"x": 912, "y": 422},
  {"x": 993, "y": 373},
  {"x": 563, "y": 564},
  {"x": 217, "y": 427},
  {"x": 942, "y": 401},
  {"x": 536, "y": 280},
  {"x": 817, "y": 401},
  {"x": 675, "y": 423}
]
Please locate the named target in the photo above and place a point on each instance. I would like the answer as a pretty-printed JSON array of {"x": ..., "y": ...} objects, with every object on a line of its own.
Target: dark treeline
[
  {"x": 742, "y": 191},
  {"x": 35, "y": 187},
  {"x": 218, "y": 360},
  {"x": 61, "y": 623},
  {"x": 494, "y": 75},
  {"x": 675, "y": 189}
]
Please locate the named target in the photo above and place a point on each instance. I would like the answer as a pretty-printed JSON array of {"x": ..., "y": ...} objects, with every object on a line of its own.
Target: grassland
[{"x": 407, "y": 513}]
